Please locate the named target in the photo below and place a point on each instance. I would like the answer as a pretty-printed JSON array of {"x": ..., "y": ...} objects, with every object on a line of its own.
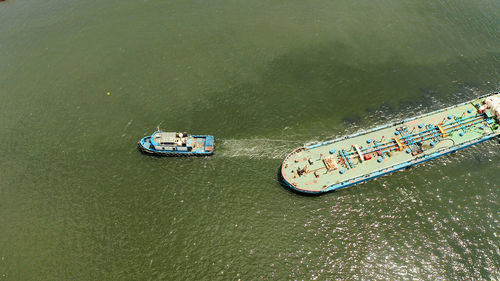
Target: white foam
[{"x": 256, "y": 148}]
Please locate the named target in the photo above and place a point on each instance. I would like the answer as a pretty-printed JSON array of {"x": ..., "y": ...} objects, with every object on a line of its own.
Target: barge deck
[{"x": 343, "y": 162}]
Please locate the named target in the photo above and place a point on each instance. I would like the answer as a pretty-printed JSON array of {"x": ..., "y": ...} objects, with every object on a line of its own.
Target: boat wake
[{"x": 256, "y": 148}]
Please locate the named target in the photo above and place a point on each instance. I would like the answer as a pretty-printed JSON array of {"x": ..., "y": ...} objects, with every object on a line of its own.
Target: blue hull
[
  {"x": 145, "y": 146},
  {"x": 392, "y": 169}
]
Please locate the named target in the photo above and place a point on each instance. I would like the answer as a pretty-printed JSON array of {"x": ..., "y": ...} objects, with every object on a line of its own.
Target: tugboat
[{"x": 177, "y": 144}]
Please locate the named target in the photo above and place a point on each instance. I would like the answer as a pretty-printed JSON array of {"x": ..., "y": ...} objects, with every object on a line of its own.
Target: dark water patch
[
  {"x": 371, "y": 110},
  {"x": 315, "y": 84},
  {"x": 351, "y": 120}
]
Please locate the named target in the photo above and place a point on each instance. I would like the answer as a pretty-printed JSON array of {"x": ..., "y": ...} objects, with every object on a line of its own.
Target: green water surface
[{"x": 79, "y": 202}]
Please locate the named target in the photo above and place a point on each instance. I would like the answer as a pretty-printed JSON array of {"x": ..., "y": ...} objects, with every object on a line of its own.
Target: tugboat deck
[{"x": 177, "y": 144}]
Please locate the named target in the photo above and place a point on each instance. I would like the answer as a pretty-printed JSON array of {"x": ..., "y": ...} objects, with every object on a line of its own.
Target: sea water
[{"x": 79, "y": 201}]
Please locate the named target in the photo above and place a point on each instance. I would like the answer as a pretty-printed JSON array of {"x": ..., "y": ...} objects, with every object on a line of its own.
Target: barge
[
  {"x": 349, "y": 160},
  {"x": 177, "y": 144}
]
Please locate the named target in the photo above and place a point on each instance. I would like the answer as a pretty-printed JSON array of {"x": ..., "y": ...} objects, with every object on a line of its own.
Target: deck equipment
[
  {"x": 369, "y": 154},
  {"x": 177, "y": 144}
]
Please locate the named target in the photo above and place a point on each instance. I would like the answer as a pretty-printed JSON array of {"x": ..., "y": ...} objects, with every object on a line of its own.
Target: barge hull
[{"x": 344, "y": 162}]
